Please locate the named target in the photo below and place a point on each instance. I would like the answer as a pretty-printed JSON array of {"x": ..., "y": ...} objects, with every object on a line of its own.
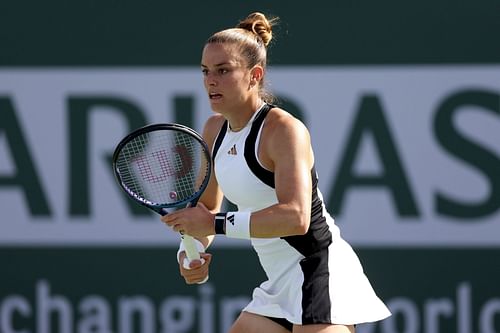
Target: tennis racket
[{"x": 163, "y": 166}]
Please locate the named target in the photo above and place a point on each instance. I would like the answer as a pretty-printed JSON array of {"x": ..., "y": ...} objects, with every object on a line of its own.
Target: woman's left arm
[{"x": 285, "y": 149}]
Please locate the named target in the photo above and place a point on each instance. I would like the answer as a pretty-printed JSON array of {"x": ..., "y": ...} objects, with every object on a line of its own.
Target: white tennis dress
[{"x": 311, "y": 279}]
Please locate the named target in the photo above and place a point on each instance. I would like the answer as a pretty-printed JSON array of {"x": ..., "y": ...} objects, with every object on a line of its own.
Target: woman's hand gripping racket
[{"x": 164, "y": 166}]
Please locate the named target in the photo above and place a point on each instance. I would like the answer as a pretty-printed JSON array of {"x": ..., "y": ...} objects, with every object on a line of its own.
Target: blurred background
[{"x": 403, "y": 103}]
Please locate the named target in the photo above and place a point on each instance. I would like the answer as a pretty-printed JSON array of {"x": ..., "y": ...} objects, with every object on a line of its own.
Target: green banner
[
  {"x": 83, "y": 290},
  {"x": 163, "y": 33}
]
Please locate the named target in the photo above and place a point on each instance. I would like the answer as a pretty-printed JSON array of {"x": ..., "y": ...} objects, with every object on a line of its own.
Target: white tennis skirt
[{"x": 328, "y": 287}]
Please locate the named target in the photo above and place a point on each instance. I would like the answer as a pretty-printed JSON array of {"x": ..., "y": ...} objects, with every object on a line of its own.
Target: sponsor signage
[
  {"x": 135, "y": 289},
  {"x": 407, "y": 155}
]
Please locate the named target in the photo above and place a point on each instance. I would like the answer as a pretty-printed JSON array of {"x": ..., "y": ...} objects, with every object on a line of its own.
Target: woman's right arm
[{"x": 212, "y": 196}]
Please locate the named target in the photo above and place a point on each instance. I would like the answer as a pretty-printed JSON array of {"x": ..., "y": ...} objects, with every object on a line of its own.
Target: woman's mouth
[{"x": 214, "y": 96}]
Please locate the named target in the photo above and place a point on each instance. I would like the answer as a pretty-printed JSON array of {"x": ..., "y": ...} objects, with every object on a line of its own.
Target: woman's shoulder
[
  {"x": 279, "y": 120},
  {"x": 282, "y": 135},
  {"x": 215, "y": 121},
  {"x": 212, "y": 127}
]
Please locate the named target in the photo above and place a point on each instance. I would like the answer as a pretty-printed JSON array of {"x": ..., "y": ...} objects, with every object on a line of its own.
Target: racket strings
[{"x": 163, "y": 167}]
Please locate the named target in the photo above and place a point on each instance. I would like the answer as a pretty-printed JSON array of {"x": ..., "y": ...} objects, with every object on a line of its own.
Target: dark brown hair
[{"x": 251, "y": 36}]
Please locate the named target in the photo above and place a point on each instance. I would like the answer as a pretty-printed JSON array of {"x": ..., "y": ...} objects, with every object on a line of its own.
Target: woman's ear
[{"x": 256, "y": 74}]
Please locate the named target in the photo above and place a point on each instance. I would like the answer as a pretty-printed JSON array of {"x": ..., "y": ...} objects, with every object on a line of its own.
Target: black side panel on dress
[
  {"x": 218, "y": 141},
  {"x": 266, "y": 176}
]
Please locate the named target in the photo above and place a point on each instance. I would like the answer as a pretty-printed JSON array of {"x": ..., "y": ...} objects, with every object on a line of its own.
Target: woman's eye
[
  {"x": 205, "y": 72},
  {"x": 223, "y": 71}
]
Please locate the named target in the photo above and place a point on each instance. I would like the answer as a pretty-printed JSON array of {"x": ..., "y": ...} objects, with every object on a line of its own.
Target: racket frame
[
  {"x": 188, "y": 241},
  {"x": 161, "y": 208}
]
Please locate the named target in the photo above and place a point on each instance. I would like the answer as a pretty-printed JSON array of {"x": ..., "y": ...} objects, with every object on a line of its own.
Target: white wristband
[
  {"x": 238, "y": 225},
  {"x": 199, "y": 247}
]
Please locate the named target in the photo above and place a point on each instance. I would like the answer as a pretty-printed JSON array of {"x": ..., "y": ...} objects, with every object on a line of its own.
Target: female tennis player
[{"x": 264, "y": 163}]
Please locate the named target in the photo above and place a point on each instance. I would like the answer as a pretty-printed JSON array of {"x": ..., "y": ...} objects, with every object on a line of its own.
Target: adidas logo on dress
[{"x": 233, "y": 151}]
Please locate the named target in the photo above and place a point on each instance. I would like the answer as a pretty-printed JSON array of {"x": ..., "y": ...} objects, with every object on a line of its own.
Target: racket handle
[
  {"x": 191, "y": 253},
  {"x": 190, "y": 247},
  {"x": 189, "y": 243}
]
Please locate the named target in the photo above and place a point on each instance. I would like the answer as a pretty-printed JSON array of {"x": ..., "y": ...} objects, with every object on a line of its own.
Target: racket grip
[
  {"x": 191, "y": 253},
  {"x": 190, "y": 247}
]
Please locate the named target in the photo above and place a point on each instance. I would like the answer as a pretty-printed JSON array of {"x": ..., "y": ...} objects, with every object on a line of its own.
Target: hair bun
[{"x": 259, "y": 25}]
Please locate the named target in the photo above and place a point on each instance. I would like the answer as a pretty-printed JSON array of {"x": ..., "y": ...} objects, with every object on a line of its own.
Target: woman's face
[{"x": 225, "y": 76}]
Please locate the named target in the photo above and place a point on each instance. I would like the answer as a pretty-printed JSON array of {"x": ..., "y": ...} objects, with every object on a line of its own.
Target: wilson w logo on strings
[{"x": 161, "y": 165}]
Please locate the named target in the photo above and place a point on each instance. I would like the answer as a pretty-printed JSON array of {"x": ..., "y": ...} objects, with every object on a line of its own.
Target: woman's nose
[{"x": 210, "y": 80}]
